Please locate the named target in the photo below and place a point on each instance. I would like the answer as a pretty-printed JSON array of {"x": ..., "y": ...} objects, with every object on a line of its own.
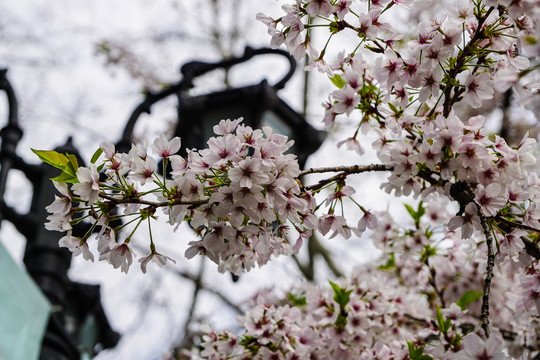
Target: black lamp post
[
  {"x": 258, "y": 104},
  {"x": 78, "y": 324}
]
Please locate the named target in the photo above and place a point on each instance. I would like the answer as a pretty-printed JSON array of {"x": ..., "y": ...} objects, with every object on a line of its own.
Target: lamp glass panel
[{"x": 24, "y": 312}]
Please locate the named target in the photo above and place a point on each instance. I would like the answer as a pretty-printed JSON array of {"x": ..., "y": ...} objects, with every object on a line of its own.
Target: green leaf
[
  {"x": 427, "y": 252},
  {"x": 390, "y": 264},
  {"x": 338, "y": 81},
  {"x": 468, "y": 297},
  {"x": 417, "y": 353},
  {"x": 341, "y": 295},
  {"x": 444, "y": 325},
  {"x": 410, "y": 210},
  {"x": 421, "y": 210},
  {"x": 96, "y": 155},
  {"x": 297, "y": 300},
  {"x": 67, "y": 178},
  {"x": 72, "y": 165},
  {"x": 67, "y": 163},
  {"x": 53, "y": 158},
  {"x": 416, "y": 214}
]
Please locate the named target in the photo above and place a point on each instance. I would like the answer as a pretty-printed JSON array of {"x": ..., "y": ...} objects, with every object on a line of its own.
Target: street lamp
[
  {"x": 77, "y": 324},
  {"x": 258, "y": 104}
]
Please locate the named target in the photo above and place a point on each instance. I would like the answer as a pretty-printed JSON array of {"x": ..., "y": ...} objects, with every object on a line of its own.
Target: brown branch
[
  {"x": 516, "y": 225},
  {"x": 212, "y": 291},
  {"x": 316, "y": 248},
  {"x": 460, "y": 63},
  {"x": 197, "y": 282},
  {"x": 354, "y": 169},
  {"x": 433, "y": 283},
  {"x": 484, "y": 316},
  {"x": 345, "y": 171}
]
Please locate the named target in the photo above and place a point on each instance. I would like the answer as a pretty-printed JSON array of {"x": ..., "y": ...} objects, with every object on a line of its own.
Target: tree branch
[
  {"x": 354, "y": 169},
  {"x": 484, "y": 316},
  {"x": 134, "y": 200}
]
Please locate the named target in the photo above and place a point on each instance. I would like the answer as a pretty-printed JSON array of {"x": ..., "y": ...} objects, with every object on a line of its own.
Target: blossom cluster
[
  {"x": 392, "y": 309},
  {"x": 405, "y": 87},
  {"x": 240, "y": 194}
]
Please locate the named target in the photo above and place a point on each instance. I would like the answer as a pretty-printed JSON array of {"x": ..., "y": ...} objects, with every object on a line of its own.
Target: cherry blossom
[{"x": 469, "y": 251}]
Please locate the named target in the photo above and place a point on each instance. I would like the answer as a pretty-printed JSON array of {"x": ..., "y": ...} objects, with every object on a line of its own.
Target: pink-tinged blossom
[
  {"x": 477, "y": 88},
  {"x": 390, "y": 71},
  {"x": 490, "y": 199},
  {"x": 58, "y": 222},
  {"x": 410, "y": 73},
  {"x": 76, "y": 245},
  {"x": 138, "y": 150},
  {"x": 341, "y": 8},
  {"x": 319, "y": 8},
  {"x": 227, "y": 126},
  {"x": 352, "y": 144},
  {"x": 345, "y": 191},
  {"x": 516, "y": 194},
  {"x": 468, "y": 222},
  {"x": 164, "y": 148},
  {"x": 366, "y": 27},
  {"x": 430, "y": 154},
  {"x": 108, "y": 150},
  {"x": 511, "y": 244},
  {"x": 460, "y": 9},
  {"x": 401, "y": 94},
  {"x": 62, "y": 204},
  {"x": 429, "y": 80},
  {"x": 143, "y": 170},
  {"x": 293, "y": 39},
  {"x": 476, "y": 348},
  {"x": 247, "y": 173},
  {"x": 221, "y": 149},
  {"x": 88, "y": 186},
  {"x": 106, "y": 239},
  {"x": 330, "y": 114},
  {"x": 158, "y": 259},
  {"x": 337, "y": 224},
  {"x": 346, "y": 98},
  {"x": 524, "y": 151},
  {"x": 437, "y": 52},
  {"x": 179, "y": 165},
  {"x": 367, "y": 221},
  {"x": 452, "y": 35},
  {"x": 473, "y": 156},
  {"x": 318, "y": 62},
  {"x": 425, "y": 34},
  {"x": 119, "y": 256}
]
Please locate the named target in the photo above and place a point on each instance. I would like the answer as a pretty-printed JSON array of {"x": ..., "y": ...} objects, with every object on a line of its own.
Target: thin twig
[
  {"x": 197, "y": 282},
  {"x": 516, "y": 225},
  {"x": 345, "y": 171},
  {"x": 212, "y": 291},
  {"x": 459, "y": 64},
  {"x": 156, "y": 204},
  {"x": 354, "y": 169},
  {"x": 433, "y": 282}
]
